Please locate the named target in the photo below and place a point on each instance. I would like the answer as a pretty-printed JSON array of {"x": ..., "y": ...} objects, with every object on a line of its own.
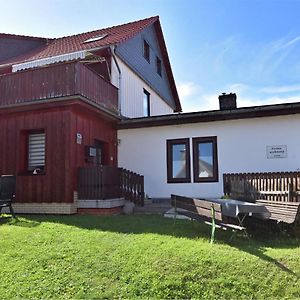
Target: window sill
[
  {"x": 205, "y": 180},
  {"x": 183, "y": 180},
  {"x": 27, "y": 173}
]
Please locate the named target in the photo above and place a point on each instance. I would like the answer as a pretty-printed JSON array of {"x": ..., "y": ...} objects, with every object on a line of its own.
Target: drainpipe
[{"x": 112, "y": 51}]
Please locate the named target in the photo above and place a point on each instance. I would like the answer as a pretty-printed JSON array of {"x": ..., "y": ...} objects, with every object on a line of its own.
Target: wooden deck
[{"x": 55, "y": 81}]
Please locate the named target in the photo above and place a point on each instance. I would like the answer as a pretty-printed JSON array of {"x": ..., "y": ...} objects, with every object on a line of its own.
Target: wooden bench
[
  {"x": 202, "y": 210},
  {"x": 282, "y": 212},
  {"x": 7, "y": 192}
]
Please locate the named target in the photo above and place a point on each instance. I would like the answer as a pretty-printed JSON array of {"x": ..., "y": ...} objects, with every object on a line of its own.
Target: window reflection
[
  {"x": 179, "y": 161},
  {"x": 205, "y": 160}
]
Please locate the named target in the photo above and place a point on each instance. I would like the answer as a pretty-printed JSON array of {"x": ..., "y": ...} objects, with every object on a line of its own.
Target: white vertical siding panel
[
  {"x": 132, "y": 95},
  {"x": 114, "y": 74},
  {"x": 159, "y": 107}
]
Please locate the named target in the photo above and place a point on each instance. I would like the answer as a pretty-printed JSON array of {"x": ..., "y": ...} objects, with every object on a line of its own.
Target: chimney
[{"x": 227, "y": 101}]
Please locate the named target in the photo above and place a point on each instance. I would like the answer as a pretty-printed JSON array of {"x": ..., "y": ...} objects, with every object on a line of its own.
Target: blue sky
[{"x": 250, "y": 47}]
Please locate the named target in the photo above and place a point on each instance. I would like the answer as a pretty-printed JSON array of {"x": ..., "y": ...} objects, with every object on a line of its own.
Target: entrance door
[{"x": 99, "y": 152}]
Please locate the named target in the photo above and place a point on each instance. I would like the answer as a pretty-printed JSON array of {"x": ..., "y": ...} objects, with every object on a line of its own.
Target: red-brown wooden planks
[
  {"x": 271, "y": 186},
  {"x": 57, "y": 81}
]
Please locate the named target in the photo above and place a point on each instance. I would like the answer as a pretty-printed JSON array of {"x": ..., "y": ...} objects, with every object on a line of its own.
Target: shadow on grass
[
  {"x": 259, "y": 251},
  {"x": 154, "y": 224},
  {"x": 21, "y": 222}
]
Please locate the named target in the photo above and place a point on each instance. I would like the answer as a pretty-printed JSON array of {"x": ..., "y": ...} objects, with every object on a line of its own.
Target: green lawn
[{"x": 140, "y": 257}]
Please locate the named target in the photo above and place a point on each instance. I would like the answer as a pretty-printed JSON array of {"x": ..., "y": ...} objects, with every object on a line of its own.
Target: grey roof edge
[{"x": 212, "y": 116}]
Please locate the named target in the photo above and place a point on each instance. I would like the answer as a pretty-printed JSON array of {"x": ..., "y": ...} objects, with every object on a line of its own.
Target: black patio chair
[{"x": 7, "y": 192}]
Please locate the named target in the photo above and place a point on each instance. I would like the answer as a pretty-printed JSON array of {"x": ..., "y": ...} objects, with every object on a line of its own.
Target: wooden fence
[
  {"x": 280, "y": 186},
  {"x": 106, "y": 182}
]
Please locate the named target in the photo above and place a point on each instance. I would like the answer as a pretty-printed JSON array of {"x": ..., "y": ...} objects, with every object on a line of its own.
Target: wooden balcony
[
  {"x": 62, "y": 80},
  {"x": 108, "y": 182}
]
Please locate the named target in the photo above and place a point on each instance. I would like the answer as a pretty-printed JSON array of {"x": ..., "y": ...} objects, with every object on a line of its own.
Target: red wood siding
[
  {"x": 54, "y": 81},
  {"x": 92, "y": 127},
  {"x": 63, "y": 155}
]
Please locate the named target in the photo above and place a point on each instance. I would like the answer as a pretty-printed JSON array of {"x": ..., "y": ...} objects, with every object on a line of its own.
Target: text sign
[
  {"x": 78, "y": 138},
  {"x": 279, "y": 151}
]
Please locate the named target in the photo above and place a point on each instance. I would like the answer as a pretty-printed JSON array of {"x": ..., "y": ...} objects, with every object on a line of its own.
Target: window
[
  {"x": 36, "y": 152},
  {"x": 158, "y": 66},
  {"x": 178, "y": 161},
  {"x": 146, "y": 51},
  {"x": 96, "y": 38},
  {"x": 205, "y": 159},
  {"x": 146, "y": 104}
]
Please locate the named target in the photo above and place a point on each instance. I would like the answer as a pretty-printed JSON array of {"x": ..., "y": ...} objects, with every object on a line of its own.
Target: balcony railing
[
  {"x": 107, "y": 182},
  {"x": 69, "y": 79}
]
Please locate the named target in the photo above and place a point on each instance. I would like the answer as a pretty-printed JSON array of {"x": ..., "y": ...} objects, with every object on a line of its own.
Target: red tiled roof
[
  {"x": 74, "y": 43},
  {"x": 115, "y": 35},
  {"x": 23, "y": 37}
]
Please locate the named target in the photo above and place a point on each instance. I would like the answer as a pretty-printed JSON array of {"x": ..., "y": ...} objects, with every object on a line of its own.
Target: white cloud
[
  {"x": 249, "y": 101},
  {"x": 201, "y": 102},
  {"x": 247, "y": 96},
  {"x": 281, "y": 89},
  {"x": 187, "y": 89},
  {"x": 291, "y": 42}
]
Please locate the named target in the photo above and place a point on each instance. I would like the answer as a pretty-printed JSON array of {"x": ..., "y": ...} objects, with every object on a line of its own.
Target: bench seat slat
[
  {"x": 194, "y": 216},
  {"x": 208, "y": 221},
  {"x": 282, "y": 210},
  {"x": 196, "y": 202},
  {"x": 278, "y": 203},
  {"x": 286, "y": 212},
  {"x": 201, "y": 210}
]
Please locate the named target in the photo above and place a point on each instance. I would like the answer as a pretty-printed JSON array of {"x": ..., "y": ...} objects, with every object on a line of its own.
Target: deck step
[{"x": 157, "y": 207}]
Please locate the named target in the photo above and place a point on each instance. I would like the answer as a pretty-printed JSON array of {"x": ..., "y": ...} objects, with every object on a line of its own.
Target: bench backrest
[
  {"x": 286, "y": 212},
  {"x": 7, "y": 187},
  {"x": 198, "y": 207}
]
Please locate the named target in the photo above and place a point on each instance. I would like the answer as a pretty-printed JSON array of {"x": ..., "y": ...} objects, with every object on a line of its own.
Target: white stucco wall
[
  {"x": 131, "y": 93},
  {"x": 241, "y": 148}
]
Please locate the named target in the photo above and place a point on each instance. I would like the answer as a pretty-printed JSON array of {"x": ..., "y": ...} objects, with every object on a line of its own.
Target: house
[
  {"x": 108, "y": 98},
  {"x": 61, "y": 100},
  {"x": 188, "y": 153}
]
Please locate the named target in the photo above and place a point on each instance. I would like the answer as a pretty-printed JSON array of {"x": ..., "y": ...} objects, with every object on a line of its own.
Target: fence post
[{"x": 290, "y": 191}]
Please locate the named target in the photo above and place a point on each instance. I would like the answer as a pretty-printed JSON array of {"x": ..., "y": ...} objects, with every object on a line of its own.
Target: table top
[{"x": 232, "y": 208}]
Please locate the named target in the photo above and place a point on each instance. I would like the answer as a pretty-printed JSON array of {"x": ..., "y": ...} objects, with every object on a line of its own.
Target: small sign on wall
[
  {"x": 78, "y": 138},
  {"x": 278, "y": 151}
]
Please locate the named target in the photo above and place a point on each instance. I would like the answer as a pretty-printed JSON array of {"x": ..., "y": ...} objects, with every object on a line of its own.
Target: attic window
[
  {"x": 158, "y": 66},
  {"x": 146, "y": 51},
  {"x": 96, "y": 38}
]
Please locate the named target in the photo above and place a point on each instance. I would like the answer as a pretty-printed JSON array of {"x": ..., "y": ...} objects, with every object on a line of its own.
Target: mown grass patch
[{"x": 140, "y": 257}]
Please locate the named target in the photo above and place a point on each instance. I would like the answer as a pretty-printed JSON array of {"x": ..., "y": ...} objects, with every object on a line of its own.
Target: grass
[{"x": 140, "y": 257}]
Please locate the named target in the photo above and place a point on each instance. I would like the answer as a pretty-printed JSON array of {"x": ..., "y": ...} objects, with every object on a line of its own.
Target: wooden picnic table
[{"x": 214, "y": 211}]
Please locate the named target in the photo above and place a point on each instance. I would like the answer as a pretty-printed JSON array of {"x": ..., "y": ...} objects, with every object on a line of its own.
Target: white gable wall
[
  {"x": 241, "y": 148},
  {"x": 131, "y": 93}
]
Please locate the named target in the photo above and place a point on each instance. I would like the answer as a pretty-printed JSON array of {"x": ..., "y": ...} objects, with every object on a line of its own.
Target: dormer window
[
  {"x": 158, "y": 66},
  {"x": 96, "y": 38},
  {"x": 147, "y": 51}
]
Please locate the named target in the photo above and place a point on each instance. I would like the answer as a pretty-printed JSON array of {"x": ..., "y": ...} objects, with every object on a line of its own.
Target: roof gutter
[
  {"x": 212, "y": 116},
  {"x": 112, "y": 51}
]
